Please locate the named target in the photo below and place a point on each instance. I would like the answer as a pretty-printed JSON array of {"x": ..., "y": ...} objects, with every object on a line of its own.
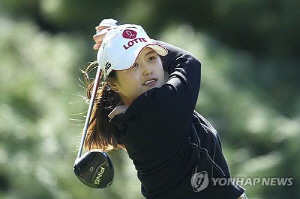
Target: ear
[{"x": 113, "y": 85}]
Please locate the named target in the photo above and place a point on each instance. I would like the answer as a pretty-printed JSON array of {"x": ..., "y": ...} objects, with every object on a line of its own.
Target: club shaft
[{"x": 88, "y": 116}]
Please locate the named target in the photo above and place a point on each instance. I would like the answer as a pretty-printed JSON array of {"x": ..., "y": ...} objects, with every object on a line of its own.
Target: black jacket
[{"x": 169, "y": 142}]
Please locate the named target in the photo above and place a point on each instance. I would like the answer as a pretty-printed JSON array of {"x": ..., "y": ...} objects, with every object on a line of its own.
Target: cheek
[
  {"x": 130, "y": 85},
  {"x": 160, "y": 71}
]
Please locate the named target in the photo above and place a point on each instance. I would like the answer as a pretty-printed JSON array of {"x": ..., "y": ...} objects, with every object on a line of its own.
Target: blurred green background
[{"x": 249, "y": 51}]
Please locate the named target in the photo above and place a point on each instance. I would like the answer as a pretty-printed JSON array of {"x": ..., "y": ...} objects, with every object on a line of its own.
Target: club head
[{"x": 94, "y": 169}]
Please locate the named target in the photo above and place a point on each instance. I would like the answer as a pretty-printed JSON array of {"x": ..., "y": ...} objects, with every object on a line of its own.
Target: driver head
[{"x": 94, "y": 169}]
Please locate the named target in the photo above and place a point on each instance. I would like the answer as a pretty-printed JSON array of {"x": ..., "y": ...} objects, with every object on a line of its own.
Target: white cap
[{"x": 122, "y": 45}]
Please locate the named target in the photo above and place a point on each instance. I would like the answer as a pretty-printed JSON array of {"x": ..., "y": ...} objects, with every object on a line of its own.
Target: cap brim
[
  {"x": 128, "y": 61},
  {"x": 162, "y": 51}
]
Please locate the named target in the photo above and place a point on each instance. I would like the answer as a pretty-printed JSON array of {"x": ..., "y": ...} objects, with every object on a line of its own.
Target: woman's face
[{"x": 146, "y": 73}]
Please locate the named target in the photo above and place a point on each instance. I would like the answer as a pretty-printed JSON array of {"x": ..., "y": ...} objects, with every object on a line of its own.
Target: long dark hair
[{"x": 101, "y": 133}]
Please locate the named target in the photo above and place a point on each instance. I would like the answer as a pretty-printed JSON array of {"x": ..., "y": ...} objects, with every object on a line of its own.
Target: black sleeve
[{"x": 177, "y": 98}]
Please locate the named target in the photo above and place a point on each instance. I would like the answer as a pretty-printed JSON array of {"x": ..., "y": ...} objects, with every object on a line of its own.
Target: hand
[
  {"x": 104, "y": 26},
  {"x": 118, "y": 110}
]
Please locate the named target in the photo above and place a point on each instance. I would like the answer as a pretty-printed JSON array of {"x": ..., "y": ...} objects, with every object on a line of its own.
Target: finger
[
  {"x": 97, "y": 46},
  {"x": 113, "y": 112},
  {"x": 118, "y": 110},
  {"x": 108, "y": 22},
  {"x": 101, "y": 27},
  {"x": 98, "y": 38}
]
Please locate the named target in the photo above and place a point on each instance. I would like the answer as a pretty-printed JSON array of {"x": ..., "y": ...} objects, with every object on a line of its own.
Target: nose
[{"x": 147, "y": 70}]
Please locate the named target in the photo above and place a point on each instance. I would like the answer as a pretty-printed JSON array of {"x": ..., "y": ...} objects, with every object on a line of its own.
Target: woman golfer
[{"x": 175, "y": 150}]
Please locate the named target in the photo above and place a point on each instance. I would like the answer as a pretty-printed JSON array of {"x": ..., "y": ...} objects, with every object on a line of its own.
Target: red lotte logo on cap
[{"x": 129, "y": 34}]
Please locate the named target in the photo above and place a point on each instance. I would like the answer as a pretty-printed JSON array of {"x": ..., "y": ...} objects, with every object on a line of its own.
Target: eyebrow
[{"x": 150, "y": 52}]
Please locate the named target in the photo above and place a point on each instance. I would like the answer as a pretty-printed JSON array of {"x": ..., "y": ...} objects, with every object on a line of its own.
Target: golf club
[{"x": 94, "y": 168}]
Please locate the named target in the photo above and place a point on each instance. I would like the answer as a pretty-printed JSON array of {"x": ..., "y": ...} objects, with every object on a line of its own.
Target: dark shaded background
[{"x": 249, "y": 50}]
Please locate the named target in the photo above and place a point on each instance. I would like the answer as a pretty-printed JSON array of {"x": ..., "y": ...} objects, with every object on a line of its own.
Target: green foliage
[{"x": 249, "y": 91}]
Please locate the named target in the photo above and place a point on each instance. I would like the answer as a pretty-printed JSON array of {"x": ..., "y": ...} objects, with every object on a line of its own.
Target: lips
[{"x": 150, "y": 81}]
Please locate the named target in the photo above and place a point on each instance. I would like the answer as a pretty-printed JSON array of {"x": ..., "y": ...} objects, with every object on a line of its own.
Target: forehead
[{"x": 146, "y": 51}]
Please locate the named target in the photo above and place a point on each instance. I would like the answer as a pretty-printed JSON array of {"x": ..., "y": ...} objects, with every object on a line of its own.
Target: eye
[{"x": 151, "y": 58}]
